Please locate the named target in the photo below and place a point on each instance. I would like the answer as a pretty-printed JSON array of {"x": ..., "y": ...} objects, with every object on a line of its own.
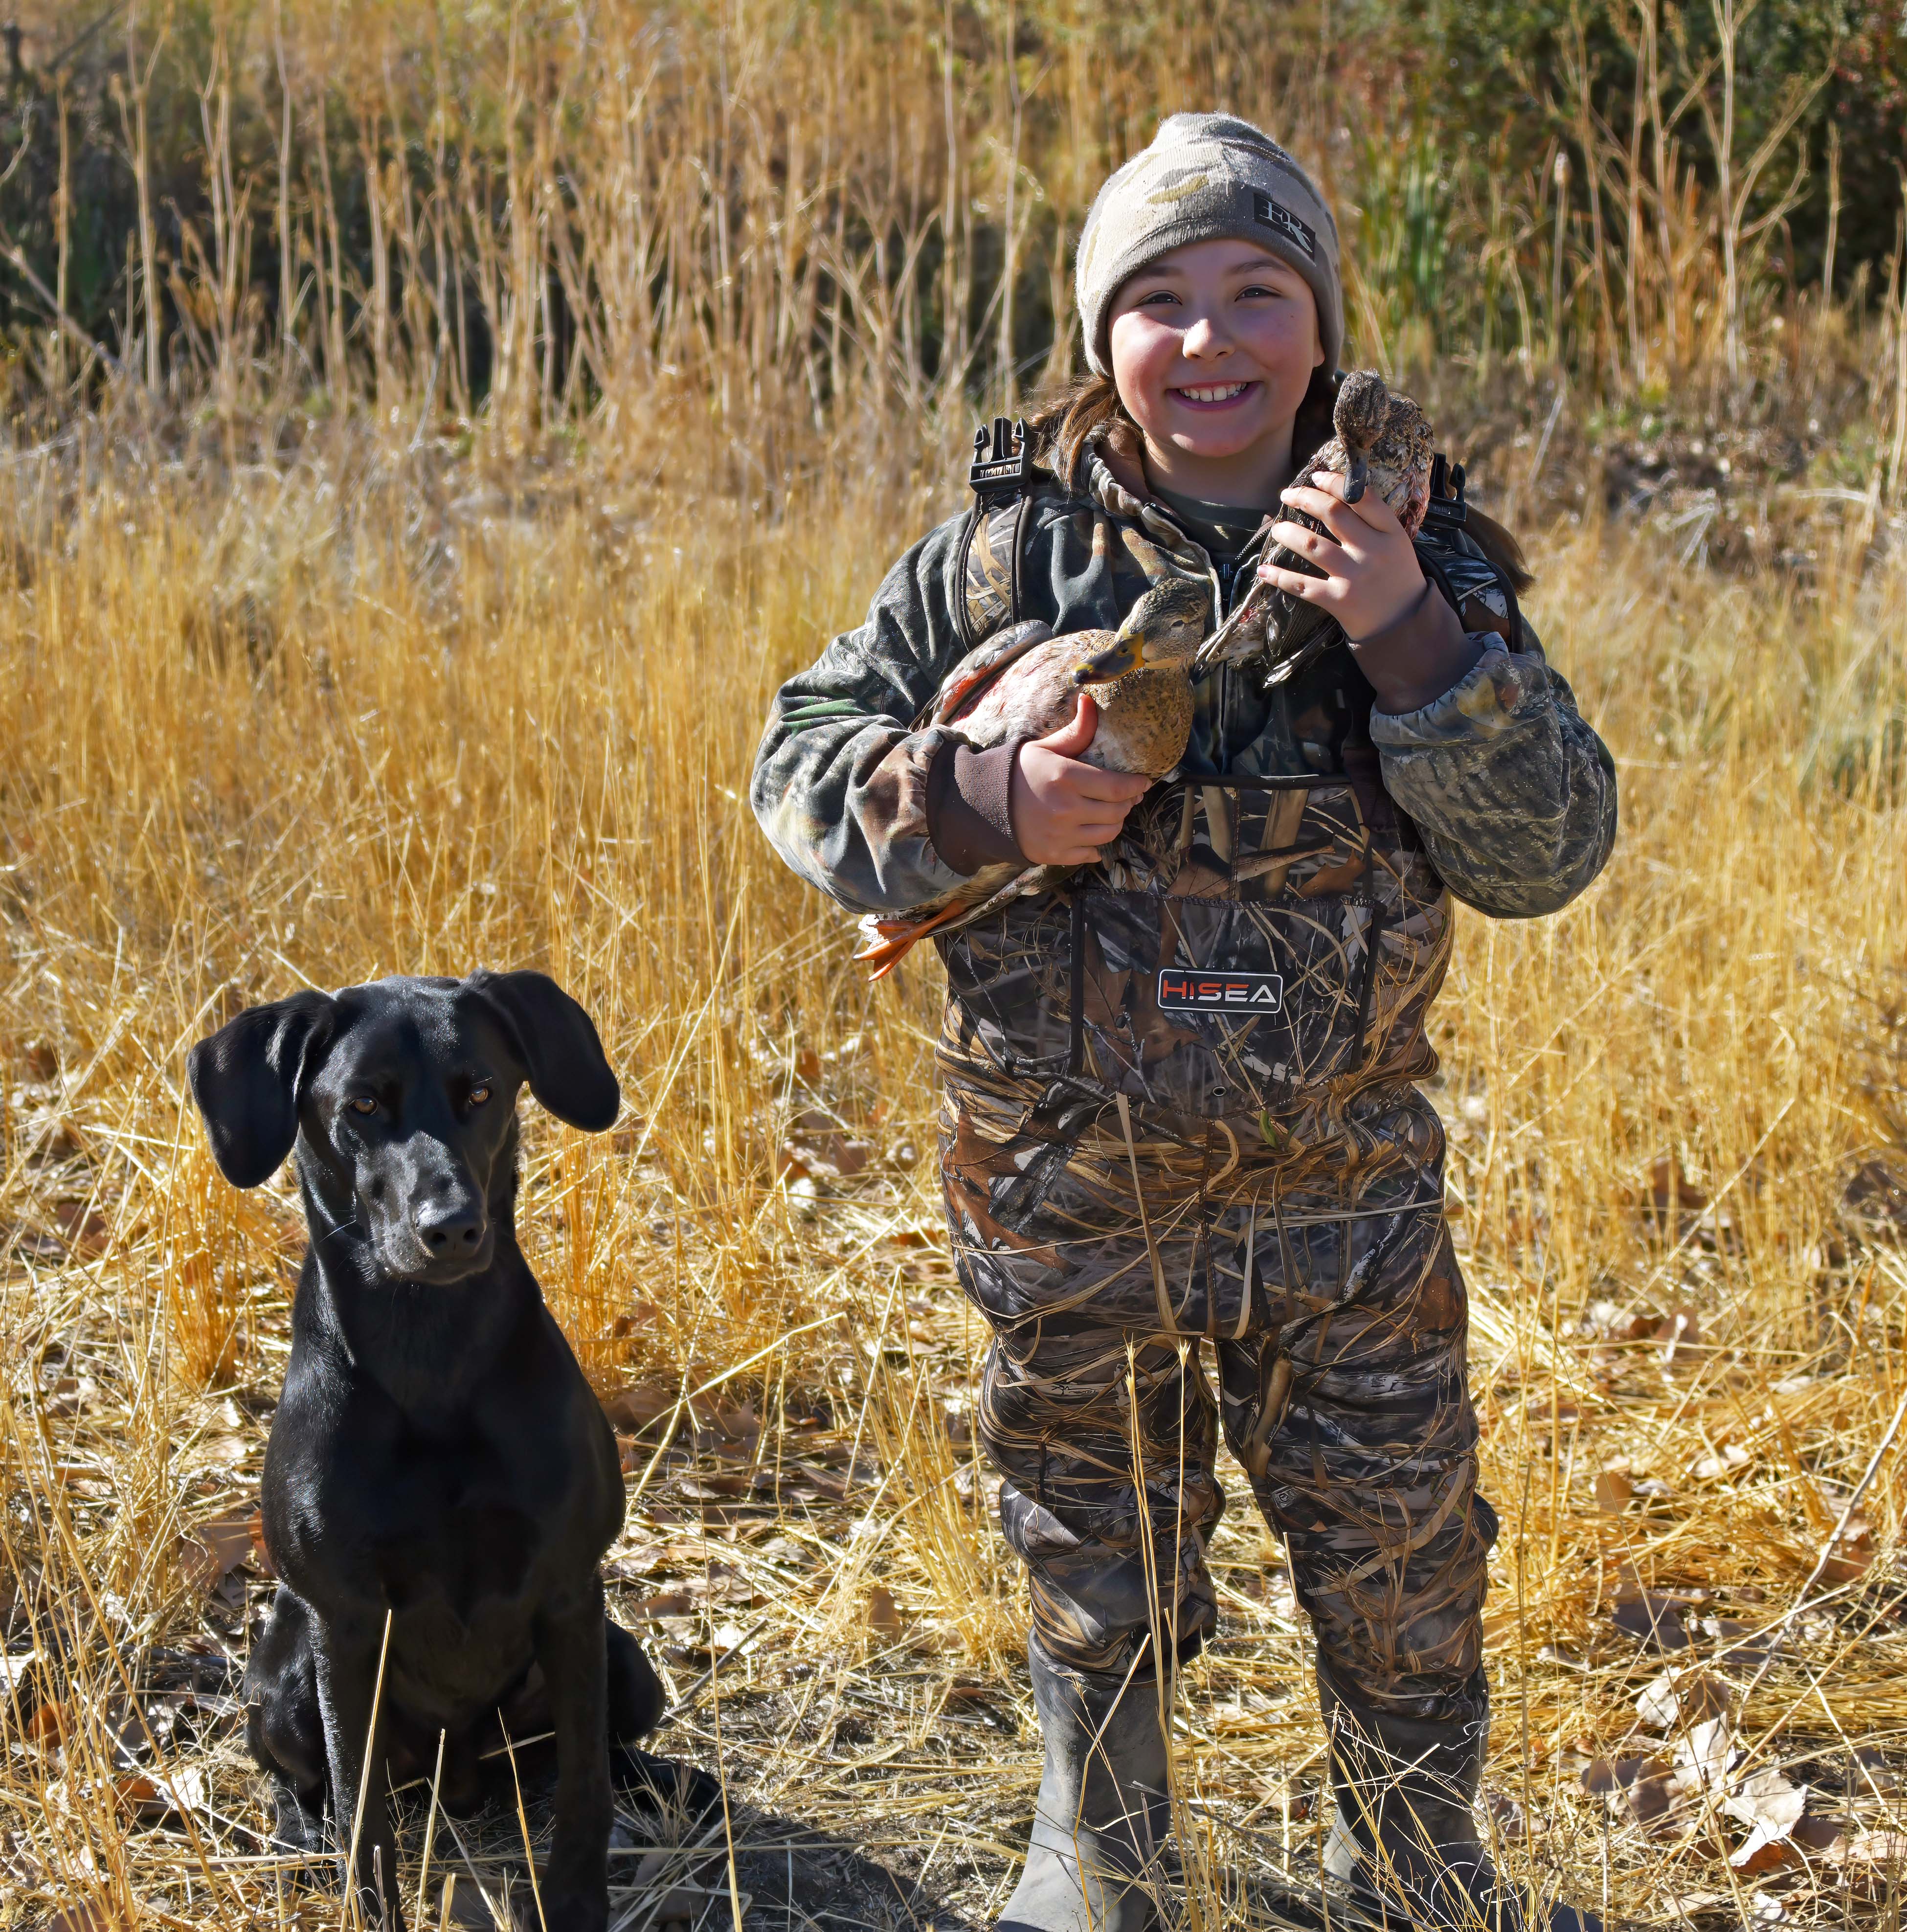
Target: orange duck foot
[{"x": 893, "y": 939}]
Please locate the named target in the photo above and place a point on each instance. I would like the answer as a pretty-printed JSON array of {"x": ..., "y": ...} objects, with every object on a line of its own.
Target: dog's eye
[
  {"x": 362, "y": 1103},
  {"x": 479, "y": 1095}
]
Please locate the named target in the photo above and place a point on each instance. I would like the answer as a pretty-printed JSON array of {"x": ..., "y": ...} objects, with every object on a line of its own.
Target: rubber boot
[
  {"x": 1104, "y": 1810},
  {"x": 1404, "y": 1838}
]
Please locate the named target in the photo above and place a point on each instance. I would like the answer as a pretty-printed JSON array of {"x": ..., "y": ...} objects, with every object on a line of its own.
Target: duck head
[
  {"x": 1163, "y": 630},
  {"x": 1360, "y": 416}
]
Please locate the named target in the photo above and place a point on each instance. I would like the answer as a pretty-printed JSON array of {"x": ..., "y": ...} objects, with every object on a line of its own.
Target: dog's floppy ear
[
  {"x": 557, "y": 1043},
  {"x": 246, "y": 1079}
]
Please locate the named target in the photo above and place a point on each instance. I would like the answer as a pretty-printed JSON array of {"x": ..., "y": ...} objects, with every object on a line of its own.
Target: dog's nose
[{"x": 449, "y": 1228}]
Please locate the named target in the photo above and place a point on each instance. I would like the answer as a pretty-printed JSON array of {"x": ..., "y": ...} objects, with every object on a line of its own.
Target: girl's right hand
[{"x": 1063, "y": 811}]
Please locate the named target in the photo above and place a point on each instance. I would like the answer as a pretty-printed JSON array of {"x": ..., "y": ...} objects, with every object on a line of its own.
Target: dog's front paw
[{"x": 298, "y": 1827}]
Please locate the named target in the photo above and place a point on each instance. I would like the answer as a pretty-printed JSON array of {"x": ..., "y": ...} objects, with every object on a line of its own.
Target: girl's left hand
[{"x": 1371, "y": 575}]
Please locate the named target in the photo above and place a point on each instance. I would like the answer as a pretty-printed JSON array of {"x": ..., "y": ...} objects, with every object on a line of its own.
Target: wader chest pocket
[{"x": 1242, "y": 974}]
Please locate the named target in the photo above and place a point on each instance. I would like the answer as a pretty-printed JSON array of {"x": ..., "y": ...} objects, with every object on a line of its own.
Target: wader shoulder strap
[
  {"x": 1003, "y": 478},
  {"x": 1482, "y": 596}
]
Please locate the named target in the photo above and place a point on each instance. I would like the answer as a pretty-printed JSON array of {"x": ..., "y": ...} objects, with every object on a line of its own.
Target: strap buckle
[
  {"x": 1446, "y": 508},
  {"x": 1002, "y": 459}
]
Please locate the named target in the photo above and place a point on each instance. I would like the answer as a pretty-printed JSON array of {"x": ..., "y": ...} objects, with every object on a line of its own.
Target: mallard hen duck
[
  {"x": 1383, "y": 441},
  {"x": 1027, "y": 685}
]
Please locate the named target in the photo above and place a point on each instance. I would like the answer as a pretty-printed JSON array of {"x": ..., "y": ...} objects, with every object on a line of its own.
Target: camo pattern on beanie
[{"x": 1204, "y": 178}]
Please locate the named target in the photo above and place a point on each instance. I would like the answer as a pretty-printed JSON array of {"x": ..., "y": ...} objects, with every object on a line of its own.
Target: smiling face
[{"x": 1213, "y": 348}]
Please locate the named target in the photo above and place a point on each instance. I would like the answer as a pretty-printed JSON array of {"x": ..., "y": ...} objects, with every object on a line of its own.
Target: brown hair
[
  {"x": 1500, "y": 547},
  {"x": 1063, "y": 427}
]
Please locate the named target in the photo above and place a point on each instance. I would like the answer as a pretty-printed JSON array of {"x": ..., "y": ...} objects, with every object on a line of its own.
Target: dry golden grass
[{"x": 386, "y": 713}]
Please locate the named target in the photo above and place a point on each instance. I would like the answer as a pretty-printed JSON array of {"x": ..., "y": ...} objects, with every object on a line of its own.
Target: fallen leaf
[
  {"x": 1685, "y": 1697},
  {"x": 849, "y": 1157},
  {"x": 1651, "y": 1792},
  {"x": 1702, "y": 1758},
  {"x": 1653, "y": 1619},
  {"x": 185, "y": 1789},
  {"x": 139, "y": 1795},
  {"x": 1614, "y": 1492},
  {"x": 1671, "y": 1189},
  {"x": 1657, "y": 1704},
  {"x": 1733, "y": 1457},
  {"x": 883, "y": 1613},
  {"x": 1690, "y": 1903},
  {"x": 261, "y": 1555},
  {"x": 84, "y": 1229},
  {"x": 1644, "y": 1781},
  {"x": 807, "y": 1066},
  {"x": 1770, "y": 1806},
  {"x": 718, "y": 1486},
  {"x": 1874, "y": 1848},
  {"x": 48, "y": 1724},
  {"x": 1753, "y": 1859},
  {"x": 670, "y": 1603},
  {"x": 1852, "y": 1555},
  {"x": 1680, "y": 1335},
  {"x": 1506, "y": 1815},
  {"x": 86, "y": 1917},
  {"x": 639, "y": 1406},
  {"x": 1821, "y": 1834},
  {"x": 208, "y": 1551}
]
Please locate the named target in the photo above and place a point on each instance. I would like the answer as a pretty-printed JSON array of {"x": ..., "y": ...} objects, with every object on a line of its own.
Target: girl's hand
[
  {"x": 1063, "y": 811},
  {"x": 1403, "y": 635},
  {"x": 1371, "y": 575}
]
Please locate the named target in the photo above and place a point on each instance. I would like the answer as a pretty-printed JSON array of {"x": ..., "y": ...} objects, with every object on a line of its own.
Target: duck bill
[
  {"x": 1115, "y": 660},
  {"x": 1356, "y": 477}
]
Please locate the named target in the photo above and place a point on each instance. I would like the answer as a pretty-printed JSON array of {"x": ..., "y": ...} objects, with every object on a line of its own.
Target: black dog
[{"x": 437, "y": 1458}]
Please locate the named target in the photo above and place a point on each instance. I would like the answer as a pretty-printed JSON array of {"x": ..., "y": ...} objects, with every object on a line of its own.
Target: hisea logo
[{"x": 1247, "y": 994}]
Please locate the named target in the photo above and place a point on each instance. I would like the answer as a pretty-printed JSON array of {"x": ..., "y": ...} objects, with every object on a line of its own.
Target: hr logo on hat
[{"x": 1275, "y": 214}]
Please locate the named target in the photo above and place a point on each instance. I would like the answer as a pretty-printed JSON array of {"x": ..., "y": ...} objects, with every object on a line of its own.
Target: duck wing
[
  {"x": 1035, "y": 693},
  {"x": 963, "y": 686}
]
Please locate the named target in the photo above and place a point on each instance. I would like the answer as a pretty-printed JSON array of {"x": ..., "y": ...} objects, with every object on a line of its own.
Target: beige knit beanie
[{"x": 1206, "y": 176}]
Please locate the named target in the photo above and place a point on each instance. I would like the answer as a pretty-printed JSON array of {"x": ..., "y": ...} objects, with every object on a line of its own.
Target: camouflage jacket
[{"x": 1296, "y": 865}]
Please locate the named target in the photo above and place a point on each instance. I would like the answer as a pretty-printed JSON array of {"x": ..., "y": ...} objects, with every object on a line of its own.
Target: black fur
[{"x": 437, "y": 1456}]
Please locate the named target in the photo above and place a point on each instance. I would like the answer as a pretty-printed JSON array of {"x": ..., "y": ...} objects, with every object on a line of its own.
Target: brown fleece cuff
[{"x": 969, "y": 815}]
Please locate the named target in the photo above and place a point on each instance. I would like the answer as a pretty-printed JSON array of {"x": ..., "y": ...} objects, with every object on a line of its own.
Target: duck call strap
[{"x": 1003, "y": 477}]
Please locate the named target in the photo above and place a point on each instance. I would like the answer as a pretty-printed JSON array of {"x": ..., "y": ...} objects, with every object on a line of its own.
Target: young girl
[{"x": 1131, "y": 1179}]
